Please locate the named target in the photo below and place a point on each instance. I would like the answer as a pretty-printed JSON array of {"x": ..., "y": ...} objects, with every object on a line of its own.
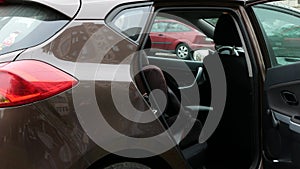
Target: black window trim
[{"x": 110, "y": 17}]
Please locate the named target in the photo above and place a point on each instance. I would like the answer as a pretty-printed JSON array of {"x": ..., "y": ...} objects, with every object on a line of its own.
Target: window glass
[
  {"x": 21, "y": 26},
  {"x": 25, "y": 26},
  {"x": 212, "y": 21},
  {"x": 183, "y": 34},
  {"x": 131, "y": 21},
  {"x": 175, "y": 27},
  {"x": 159, "y": 27},
  {"x": 281, "y": 29}
]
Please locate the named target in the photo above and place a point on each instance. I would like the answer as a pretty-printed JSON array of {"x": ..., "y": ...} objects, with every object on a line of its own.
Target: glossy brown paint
[
  {"x": 41, "y": 137},
  {"x": 49, "y": 130}
]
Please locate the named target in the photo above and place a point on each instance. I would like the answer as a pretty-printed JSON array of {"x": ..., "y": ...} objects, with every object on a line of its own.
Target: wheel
[
  {"x": 183, "y": 51},
  {"x": 127, "y": 165}
]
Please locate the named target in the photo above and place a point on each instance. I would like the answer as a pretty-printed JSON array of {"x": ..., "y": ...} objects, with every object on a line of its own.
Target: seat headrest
[
  {"x": 155, "y": 78},
  {"x": 226, "y": 33}
]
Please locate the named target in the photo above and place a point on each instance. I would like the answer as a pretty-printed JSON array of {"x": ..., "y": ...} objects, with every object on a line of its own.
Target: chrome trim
[
  {"x": 294, "y": 127},
  {"x": 282, "y": 118},
  {"x": 286, "y": 119}
]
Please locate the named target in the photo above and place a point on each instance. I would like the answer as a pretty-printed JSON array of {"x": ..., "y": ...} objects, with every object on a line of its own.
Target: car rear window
[{"x": 23, "y": 26}]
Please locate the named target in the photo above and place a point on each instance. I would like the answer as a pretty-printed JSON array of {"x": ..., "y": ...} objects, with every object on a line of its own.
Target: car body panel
[
  {"x": 78, "y": 50},
  {"x": 43, "y": 132},
  {"x": 79, "y": 58},
  {"x": 158, "y": 40},
  {"x": 89, "y": 8},
  {"x": 69, "y": 7},
  {"x": 54, "y": 133},
  {"x": 10, "y": 56}
]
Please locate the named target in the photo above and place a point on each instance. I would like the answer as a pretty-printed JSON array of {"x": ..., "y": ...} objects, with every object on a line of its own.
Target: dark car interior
[{"x": 231, "y": 145}]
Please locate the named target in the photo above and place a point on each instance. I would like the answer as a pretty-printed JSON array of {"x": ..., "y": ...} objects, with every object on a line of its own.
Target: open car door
[
  {"x": 279, "y": 26},
  {"x": 281, "y": 123}
]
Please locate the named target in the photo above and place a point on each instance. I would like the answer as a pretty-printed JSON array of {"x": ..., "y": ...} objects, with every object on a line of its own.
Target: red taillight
[{"x": 27, "y": 81}]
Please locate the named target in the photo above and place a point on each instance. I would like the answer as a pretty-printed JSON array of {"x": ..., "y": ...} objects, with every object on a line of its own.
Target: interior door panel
[{"x": 281, "y": 123}]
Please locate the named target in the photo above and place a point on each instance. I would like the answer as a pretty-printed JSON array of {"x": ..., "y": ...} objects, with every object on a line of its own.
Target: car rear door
[{"x": 281, "y": 118}]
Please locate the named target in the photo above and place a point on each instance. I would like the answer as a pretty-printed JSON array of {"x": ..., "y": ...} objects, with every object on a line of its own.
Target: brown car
[{"x": 81, "y": 89}]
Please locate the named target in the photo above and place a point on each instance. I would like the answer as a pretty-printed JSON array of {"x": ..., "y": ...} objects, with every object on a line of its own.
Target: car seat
[
  {"x": 151, "y": 78},
  {"x": 231, "y": 140}
]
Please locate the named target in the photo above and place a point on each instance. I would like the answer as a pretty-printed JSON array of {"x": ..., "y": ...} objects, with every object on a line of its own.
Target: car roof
[
  {"x": 90, "y": 8},
  {"x": 98, "y": 9},
  {"x": 67, "y": 7},
  {"x": 82, "y": 9}
]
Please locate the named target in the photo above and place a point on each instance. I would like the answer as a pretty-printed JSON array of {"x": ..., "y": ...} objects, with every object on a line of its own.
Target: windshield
[{"x": 23, "y": 26}]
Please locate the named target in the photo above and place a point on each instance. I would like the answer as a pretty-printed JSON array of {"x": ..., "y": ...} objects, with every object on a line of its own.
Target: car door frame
[
  {"x": 276, "y": 125},
  {"x": 255, "y": 62}
]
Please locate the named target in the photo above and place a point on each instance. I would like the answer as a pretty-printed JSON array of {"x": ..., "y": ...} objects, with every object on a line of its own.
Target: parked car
[
  {"x": 79, "y": 88},
  {"x": 178, "y": 37}
]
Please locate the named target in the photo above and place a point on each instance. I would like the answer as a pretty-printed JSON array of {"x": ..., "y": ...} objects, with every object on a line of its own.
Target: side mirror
[{"x": 200, "y": 54}]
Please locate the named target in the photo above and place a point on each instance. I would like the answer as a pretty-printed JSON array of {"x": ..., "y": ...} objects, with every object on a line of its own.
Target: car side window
[
  {"x": 130, "y": 22},
  {"x": 182, "y": 37},
  {"x": 281, "y": 30},
  {"x": 159, "y": 27},
  {"x": 175, "y": 27},
  {"x": 212, "y": 21}
]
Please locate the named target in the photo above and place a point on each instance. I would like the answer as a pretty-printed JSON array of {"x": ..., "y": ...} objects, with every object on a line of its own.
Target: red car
[{"x": 178, "y": 37}]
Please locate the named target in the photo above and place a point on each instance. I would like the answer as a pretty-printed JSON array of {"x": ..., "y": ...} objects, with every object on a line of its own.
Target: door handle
[
  {"x": 160, "y": 34},
  {"x": 293, "y": 122},
  {"x": 290, "y": 98}
]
